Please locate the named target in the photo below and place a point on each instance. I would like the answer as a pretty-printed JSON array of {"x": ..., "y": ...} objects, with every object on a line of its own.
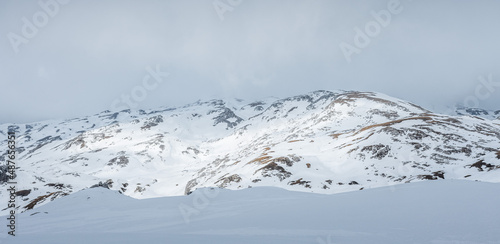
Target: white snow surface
[{"x": 442, "y": 211}]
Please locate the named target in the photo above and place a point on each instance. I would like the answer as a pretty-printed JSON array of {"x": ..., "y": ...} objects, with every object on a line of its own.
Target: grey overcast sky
[{"x": 63, "y": 59}]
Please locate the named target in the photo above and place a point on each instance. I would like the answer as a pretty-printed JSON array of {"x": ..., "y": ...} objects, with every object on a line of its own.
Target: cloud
[{"x": 92, "y": 52}]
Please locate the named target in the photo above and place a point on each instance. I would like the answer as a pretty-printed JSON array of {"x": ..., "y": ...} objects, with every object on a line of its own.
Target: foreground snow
[{"x": 446, "y": 211}]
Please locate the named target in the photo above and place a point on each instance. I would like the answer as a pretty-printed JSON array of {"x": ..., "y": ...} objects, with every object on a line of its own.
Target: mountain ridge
[{"x": 323, "y": 141}]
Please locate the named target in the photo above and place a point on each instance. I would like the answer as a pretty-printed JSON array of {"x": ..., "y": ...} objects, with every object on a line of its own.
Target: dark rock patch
[
  {"x": 120, "y": 161},
  {"x": 23, "y": 193},
  {"x": 58, "y": 186},
  {"x": 189, "y": 186},
  {"x": 151, "y": 122},
  {"x": 378, "y": 151},
  {"x": 273, "y": 169},
  {"x": 4, "y": 174},
  {"x": 434, "y": 176},
  {"x": 108, "y": 184},
  {"x": 42, "y": 198},
  {"x": 225, "y": 181},
  {"x": 480, "y": 164},
  {"x": 300, "y": 182},
  {"x": 225, "y": 116}
]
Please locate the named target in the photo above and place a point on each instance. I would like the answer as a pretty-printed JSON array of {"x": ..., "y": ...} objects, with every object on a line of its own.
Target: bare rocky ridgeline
[{"x": 324, "y": 142}]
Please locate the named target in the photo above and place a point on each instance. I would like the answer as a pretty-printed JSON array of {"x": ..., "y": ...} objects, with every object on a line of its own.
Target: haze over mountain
[{"x": 93, "y": 52}]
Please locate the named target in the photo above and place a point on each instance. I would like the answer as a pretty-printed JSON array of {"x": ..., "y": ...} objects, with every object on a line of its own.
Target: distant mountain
[
  {"x": 323, "y": 142},
  {"x": 483, "y": 113}
]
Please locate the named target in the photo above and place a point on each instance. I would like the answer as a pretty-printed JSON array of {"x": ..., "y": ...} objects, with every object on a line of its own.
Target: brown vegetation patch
[
  {"x": 41, "y": 199},
  {"x": 335, "y": 135},
  {"x": 235, "y": 163},
  {"x": 453, "y": 120},
  {"x": 498, "y": 154},
  {"x": 300, "y": 182},
  {"x": 344, "y": 145},
  {"x": 282, "y": 160},
  {"x": 363, "y": 138},
  {"x": 352, "y": 150},
  {"x": 261, "y": 160},
  {"x": 425, "y": 118}
]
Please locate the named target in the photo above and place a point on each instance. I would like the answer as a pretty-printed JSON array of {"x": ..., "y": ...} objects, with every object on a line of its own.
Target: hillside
[{"x": 321, "y": 142}]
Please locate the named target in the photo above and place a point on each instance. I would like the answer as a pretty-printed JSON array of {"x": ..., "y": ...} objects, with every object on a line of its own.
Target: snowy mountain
[
  {"x": 321, "y": 142},
  {"x": 483, "y": 113},
  {"x": 448, "y": 211}
]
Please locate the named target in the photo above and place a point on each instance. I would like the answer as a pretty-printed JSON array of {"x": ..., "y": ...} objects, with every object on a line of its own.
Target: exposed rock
[
  {"x": 189, "y": 186},
  {"x": 23, "y": 193},
  {"x": 434, "y": 176},
  {"x": 283, "y": 160},
  {"x": 378, "y": 151},
  {"x": 441, "y": 159},
  {"x": 390, "y": 114},
  {"x": 120, "y": 161},
  {"x": 476, "y": 111},
  {"x": 4, "y": 174},
  {"x": 480, "y": 164},
  {"x": 108, "y": 184},
  {"x": 44, "y": 141},
  {"x": 151, "y": 122},
  {"x": 139, "y": 189},
  {"x": 58, "y": 186},
  {"x": 227, "y": 116},
  {"x": 273, "y": 169},
  {"x": 227, "y": 180}
]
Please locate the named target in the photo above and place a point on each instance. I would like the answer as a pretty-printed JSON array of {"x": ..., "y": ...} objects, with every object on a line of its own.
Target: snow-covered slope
[
  {"x": 448, "y": 211},
  {"x": 323, "y": 142}
]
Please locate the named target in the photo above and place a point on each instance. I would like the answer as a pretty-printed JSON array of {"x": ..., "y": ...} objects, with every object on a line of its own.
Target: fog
[{"x": 63, "y": 59}]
